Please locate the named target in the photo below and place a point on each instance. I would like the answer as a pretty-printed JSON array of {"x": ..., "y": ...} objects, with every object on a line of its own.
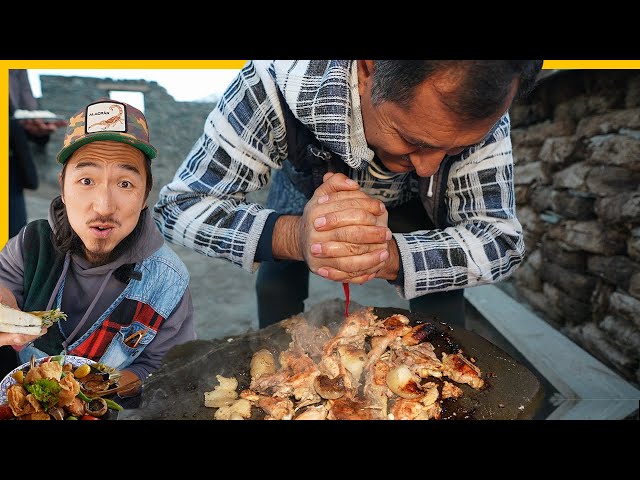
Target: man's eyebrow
[
  {"x": 132, "y": 168},
  {"x": 85, "y": 164},
  {"x": 422, "y": 144},
  {"x": 89, "y": 163}
]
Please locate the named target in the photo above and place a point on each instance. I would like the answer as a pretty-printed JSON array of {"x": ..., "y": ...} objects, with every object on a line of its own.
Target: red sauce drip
[{"x": 345, "y": 287}]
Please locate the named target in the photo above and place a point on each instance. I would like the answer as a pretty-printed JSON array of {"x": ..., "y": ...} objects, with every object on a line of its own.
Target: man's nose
[
  {"x": 103, "y": 202},
  {"x": 426, "y": 162}
]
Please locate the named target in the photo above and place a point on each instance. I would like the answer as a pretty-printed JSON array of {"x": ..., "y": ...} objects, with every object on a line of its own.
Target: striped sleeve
[
  {"x": 484, "y": 243},
  {"x": 204, "y": 207}
]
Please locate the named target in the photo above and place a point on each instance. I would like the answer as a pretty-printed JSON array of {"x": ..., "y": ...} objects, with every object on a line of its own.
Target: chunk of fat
[
  {"x": 226, "y": 383},
  {"x": 353, "y": 359},
  {"x": 238, "y": 410},
  {"x": 223, "y": 394}
]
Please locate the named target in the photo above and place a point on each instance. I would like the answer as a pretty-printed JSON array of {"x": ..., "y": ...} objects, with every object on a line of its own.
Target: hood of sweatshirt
[{"x": 324, "y": 96}]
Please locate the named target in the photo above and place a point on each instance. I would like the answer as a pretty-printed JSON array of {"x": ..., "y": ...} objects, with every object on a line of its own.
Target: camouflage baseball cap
[{"x": 107, "y": 119}]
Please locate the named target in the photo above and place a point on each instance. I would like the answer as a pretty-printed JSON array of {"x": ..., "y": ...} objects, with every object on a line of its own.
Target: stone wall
[
  {"x": 576, "y": 143},
  {"x": 173, "y": 126}
]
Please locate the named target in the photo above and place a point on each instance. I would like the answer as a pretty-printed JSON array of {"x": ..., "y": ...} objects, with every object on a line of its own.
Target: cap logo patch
[{"x": 106, "y": 117}]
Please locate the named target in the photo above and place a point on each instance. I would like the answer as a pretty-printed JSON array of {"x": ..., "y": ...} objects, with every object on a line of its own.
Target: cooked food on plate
[
  {"x": 56, "y": 389},
  {"x": 371, "y": 369}
]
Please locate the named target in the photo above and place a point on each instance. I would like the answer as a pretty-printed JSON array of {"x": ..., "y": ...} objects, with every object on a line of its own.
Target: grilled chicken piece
[
  {"x": 449, "y": 390},
  {"x": 397, "y": 322},
  {"x": 422, "y": 408},
  {"x": 295, "y": 378},
  {"x": 353, "y": 331},
  {"x": 330, "y": 388},
  {"x": 375, "y": 388},
  {"x": 405, "y": 409},
  {"x": 353, "y": 359},
  {"x": 395, "y": 327},
  {"x": 309, "y": 338},
  {"x": 331, "y": 366},
  {"x": 421, "y": 359},
  {"x": 352, "y": 409},
  {"x": 461, "y": 370},
  {"x": 419, "y": 334},
  {"x": 276, "y": 408},
  {"x": 317, "y": 412},
  {"x": 238, "y": 410}
]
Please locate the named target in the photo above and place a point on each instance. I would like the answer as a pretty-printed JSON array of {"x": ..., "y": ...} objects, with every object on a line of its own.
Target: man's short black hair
[{"x": 483, "y": 88}]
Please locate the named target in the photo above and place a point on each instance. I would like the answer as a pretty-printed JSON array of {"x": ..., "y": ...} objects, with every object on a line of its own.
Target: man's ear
[
  {"x": 365, "y": 75},
  {"x": 60, "y": 183}
]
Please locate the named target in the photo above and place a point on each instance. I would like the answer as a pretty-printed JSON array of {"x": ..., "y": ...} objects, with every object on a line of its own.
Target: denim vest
[{"x": 164, "y": 280}]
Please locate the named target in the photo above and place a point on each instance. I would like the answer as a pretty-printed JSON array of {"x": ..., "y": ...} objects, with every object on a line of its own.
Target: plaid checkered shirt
[{"x": 205, "y": 206}]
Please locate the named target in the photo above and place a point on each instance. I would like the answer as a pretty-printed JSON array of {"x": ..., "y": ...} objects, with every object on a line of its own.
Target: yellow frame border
[{"x": 5, "y": 65}]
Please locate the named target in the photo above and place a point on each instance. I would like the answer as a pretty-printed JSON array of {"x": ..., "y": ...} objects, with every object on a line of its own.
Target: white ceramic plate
[
  {"x": 9, "y": 380},
  {"x": 45, "y": 115}
]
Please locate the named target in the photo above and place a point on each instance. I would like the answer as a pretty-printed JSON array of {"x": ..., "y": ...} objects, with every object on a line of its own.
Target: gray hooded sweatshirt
[{"x": 89, "y": 291}]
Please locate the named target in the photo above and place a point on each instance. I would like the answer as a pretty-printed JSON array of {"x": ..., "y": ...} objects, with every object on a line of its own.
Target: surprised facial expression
[{"x": 104, "y": 193}]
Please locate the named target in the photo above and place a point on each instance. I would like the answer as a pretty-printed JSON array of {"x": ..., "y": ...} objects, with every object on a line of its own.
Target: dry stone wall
[{"x": 576, "y": 144}]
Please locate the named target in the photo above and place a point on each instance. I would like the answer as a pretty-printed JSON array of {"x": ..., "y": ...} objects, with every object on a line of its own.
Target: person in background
[
  {"x": 22, "y": 169},
  {"x": 393, "y": 169},
  {"x": 22, "y": 172},
  {"x": 99, "y": 257}
]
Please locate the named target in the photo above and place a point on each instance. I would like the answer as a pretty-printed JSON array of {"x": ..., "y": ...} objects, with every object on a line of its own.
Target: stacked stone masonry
[{"x": 576, "y": 147}]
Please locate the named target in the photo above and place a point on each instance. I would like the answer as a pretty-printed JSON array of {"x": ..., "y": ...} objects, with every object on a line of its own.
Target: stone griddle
[{"x": 176, "y": 390}]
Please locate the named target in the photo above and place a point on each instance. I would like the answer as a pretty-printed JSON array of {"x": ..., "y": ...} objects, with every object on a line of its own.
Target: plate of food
[
  {"x": 44, "y": 115},
  {"x": 59, "y": 387}
]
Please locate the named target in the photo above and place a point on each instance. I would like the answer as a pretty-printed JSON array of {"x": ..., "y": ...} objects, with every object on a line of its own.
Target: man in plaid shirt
[{"x": 393, "y": 169}]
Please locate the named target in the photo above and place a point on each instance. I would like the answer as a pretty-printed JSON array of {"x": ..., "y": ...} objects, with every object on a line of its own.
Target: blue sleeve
[{"x": 264, "y": 251}]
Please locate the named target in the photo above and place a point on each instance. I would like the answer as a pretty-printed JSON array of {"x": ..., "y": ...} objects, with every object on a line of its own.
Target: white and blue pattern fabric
[{"x": 205, "y": 207}]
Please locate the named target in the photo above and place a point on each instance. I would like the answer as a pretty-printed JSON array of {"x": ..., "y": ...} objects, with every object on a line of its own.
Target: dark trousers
[
  {"x": 283, "y": 286},
  {"x": 17, "y": 210}
]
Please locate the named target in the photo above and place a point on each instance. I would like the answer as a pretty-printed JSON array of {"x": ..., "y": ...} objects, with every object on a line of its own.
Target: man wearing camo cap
[{"x": 99, "y": 257}]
